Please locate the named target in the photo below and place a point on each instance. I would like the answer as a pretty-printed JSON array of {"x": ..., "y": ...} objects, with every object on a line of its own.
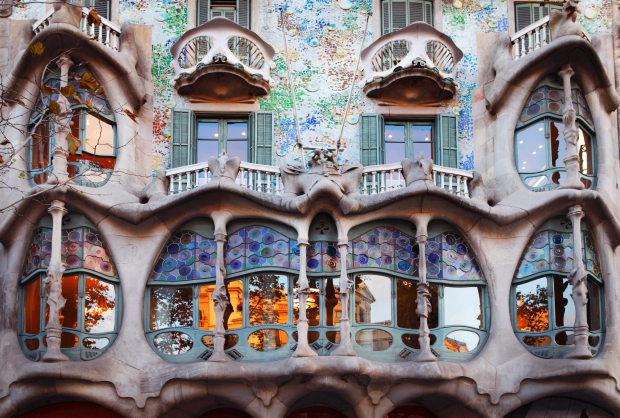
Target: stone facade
[{"x": 151, "y": 288}]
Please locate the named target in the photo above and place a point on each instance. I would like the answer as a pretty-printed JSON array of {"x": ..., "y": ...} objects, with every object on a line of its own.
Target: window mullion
[
  {"x": 222, "y": 139},
  {"x": 548, "y": 157},
  {"x": 81, "y": 303},
  {"x": 551, "y": 300}
]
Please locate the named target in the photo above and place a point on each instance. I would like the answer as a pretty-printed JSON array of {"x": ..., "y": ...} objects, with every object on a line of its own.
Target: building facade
[{"x": 233, "y": 208}]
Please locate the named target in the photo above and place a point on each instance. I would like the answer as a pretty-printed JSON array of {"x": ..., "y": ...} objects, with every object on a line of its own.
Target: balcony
[
  {"x": 221, "y": 61},
  {"x": 413, "y": 66},
  {"x": 376, "y": 179}
]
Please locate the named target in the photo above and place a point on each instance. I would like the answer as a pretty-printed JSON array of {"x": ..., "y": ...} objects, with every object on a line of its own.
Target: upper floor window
[
  {"x": 102, "y": 7},
  {"x": 236, "y": 10},
  {"x": 195, "y": 138},
  {"x": 396, "y": 14},
  {"x": 408, "y": 139},
  {"x": 539, "y": 139},
  {"x": 93, "y": 161},
  {"x": 528, "y": 13}
]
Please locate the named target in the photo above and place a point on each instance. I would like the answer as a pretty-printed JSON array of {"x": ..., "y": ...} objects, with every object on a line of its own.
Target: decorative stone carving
[
  {"x": 223, "y": 167},
  {"x": 53, "y": 287},
  {"x": 220, "y": 302},
  {"x": 571, "y": 159},
  {"x": 577, "y": 279},
  {"x": 423, "y": 302},
  {"x": 564, "y": 23},
  {"x": 418, "y": 169},
  {"x": 346, "y": 287},
  {"x": 62, "y": 126},
  {"x": 67, "y": 12},
  {"x": 303, "y": 349}
]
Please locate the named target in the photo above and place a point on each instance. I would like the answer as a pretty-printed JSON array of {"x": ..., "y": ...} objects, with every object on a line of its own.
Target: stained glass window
[{"x": 186, "y": 256}]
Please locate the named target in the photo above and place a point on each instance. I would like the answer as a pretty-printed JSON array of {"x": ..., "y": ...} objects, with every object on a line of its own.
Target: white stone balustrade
[
  {"x": 223, "y": 40},
  {"x": 533, "y": 37},
  {"x": 106, "y": 33},
  {"x": 265, "y": 178},
  {"x": 418, "y": 44}
]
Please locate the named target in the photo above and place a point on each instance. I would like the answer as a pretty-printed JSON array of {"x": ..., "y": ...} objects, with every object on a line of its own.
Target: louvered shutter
[
  {"x": 447, "y": 147},
  {"x": 243, "y": 13},
  {"x": 523, "y": 13},
  {"x": 385, "y": 9},
  {"x": 399, "y": 15},
  {"x": 103, "y": 8},
  {"x": 428, "y": 12},
  {"x": 371, "y": 139},
  {"x": 261, "y": 138},
  {"x": 416, "y": 11},
  {"x": 202, "y": 14},
  {"x": 182, "y": 147}
]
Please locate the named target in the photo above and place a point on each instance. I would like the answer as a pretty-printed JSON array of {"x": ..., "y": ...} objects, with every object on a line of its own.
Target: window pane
[
  {"x": 208, "y": 130},
  {"x": 237, "y": 149},
  {"x": 532, "y": 306},
  {"x": 586, "y": 156},
  {"x": 461, "y": 341},
  {"x": 312, "y": 304},
  {"x": 237, "y": 130},
  {"x": 422, "y": 133},
  {"x": 374, "y": 339},
  {"x": 531, "y": 150},
  {"x": 406, "y": 294},
  {"x": 99, "y": 136},
  {"x": 558, "y": 147},
  {"x": 99, "y": 306},
  {"x": 171, "y": 307},
  {"x": 394, "y": 133},
  {"x": 333, "y": 308},
  {"x": 394, "y": 152},
  {"x": 233, "y": 315},
  {"x": 463, "y": 306},
  {"x": 32, "y": 307},
  {"x": 594, "y": 306},
  {"x": 205, "y": 150},
  {"x": 373, "y": 300},
  {"x": 40, "y": 151},
  {"x": 69, "y": 314},
  {"x": 268, "y": 299},
  {"x": 423, "y": 147},
  {"x": 564, "y": 306}
]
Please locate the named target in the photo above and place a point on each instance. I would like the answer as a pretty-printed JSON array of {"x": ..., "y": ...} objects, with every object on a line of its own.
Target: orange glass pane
[
  {"x": 32, "y": 344},
  {"x": 67, "y": 340},
  {"x": 312, "y": 303},
  {"x": 40, "y": 151},
  {"x": 206, "y": 313},
  {"x": 268, "y": 299},
  {"x": 233, "y": 315},
  {"x": 333, "y": 308},
  {"x": 99, "y": 306},
  {"x": 69, "y": 314},
  {"x": 32, "y": 307},
  {"x": 267, "y": 339},
  {"x": 532, "y": 306}
]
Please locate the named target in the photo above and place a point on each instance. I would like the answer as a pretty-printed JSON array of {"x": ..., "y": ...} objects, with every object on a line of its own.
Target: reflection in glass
[
  {"x": 206, "y": 149},
  {"x": 373, "y": 300},
  {"x": 333, "y": 337},
  {"x": 312, "y": 303},
  {"x": 531, "y": 150},
  {"x": 208, "y": 130},
  {"x": 461, "y": 341},
  {"x": 99, "y": 306},
  {"x": 593, "y": 341},
  {"x": 463, "y": 306},
  {"x": 394, "y": 143},
  {"x": 312, "y": 336},
  {"x": 412, "y": 341},
  {"x": 542, "y": 341},
  {"x": 233, "y": 315},
  {"x": 173, "y": 343},
  {"x": 67, "y": 340},
  {"x": 406, "y": 294},
  {"x": 268, "y": 299},
  {"x": 95, "y": 343},
  {"x": 558, "y": 146},
  {"x": 374, "y": 339},
  {"x": 333, "y": 308},
  {"x": 558, "y": 177},
  {"x": 171, "y": 307},
  {"x": 40, "y": 151},
  {"x": 586, "y": 154},
  {"x": 422, "y": 136},
  {"x": 594, "y": 306},
  {"x": 536, "y": 181},
  {"x": 99, "y": 137},
  {"x": 237, "y": 149},
  {"x": 32, "y": 308},
  {"x": 532, "y": 306},
  {"x": 69, "y": 314},
  {"x": 267, "y": 339},
  {"x": 565, "y": 338},
  {"x": 230, "y": 340},
  {"x": 564, "y": 306},
  {"x": 32, "y": 344},
  {"x": 237, "y": 130}
]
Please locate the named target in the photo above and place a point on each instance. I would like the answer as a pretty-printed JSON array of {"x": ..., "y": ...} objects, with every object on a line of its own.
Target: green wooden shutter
[
  {"x": 243, "y": 13},
  {"x": 398, "y": 14},
  {"x": 385, "y": 21},
  {"x": 428, "y": 12},
  {"x": 202, "y": 14},
  {"x": 523, "y": 14},
  {"x": 416, "y": 12},
  {"x": 103, "y": 8},
  {"x": 261, "y": 138},
  {"x": 447, "y": 146},
  {"x": 372, "y": 139},
  {"x": 183, "y": 141}
]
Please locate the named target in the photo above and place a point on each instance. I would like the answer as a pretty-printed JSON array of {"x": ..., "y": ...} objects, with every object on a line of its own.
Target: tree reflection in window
[
  {"x": 171, "y": 307},
  {"x": 99, "y": 310},
  {"x": 312, "y": 303},
  {"x": 268, "y": 299},
  {"x": 533, "y": 306}
]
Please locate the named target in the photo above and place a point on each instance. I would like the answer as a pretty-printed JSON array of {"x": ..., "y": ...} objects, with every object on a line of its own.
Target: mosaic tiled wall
[{"x": 324, "y": 37}]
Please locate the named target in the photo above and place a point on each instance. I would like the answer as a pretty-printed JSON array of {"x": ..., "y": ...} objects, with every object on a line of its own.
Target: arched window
[
  {"x": 94, "y": 125},
  {"x": 543, "y": 312},
  {"x": 385, "y": 270},
  {"x": 91, "y": 316},
  {"x": 539, "y": 138}
]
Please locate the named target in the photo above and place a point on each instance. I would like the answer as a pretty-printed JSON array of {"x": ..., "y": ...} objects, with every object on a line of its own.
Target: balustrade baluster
[
  {"x": 458, "y": 185},
  {"x": 435, "y": 177},
  {"x": 374, "y": 182},
  {"x": 544, "y": 34},
  {"x": 84, "y": 22},
  {"x": 171, "y": 186},
  {"x": 278, "y": 184},
  {"x": 529, "y": 37},
  {"x": 523, "y": 47},
  {"x": 441, "y": 175},
  {"x": 179, "y": 183},
  {"x": 365, "y": 190},
  {"x": 450, "y": 183},
  {"x": 268, "y": 182},
  {"x": 382, "y": 182},
  {"x": 250, "y": 179},
  {"x": 515, "y": 50},
  {"x": 107, "y": 36},
  {"x": 537, "y": 37},
  {"x": 465, "y": 190},
  {"x": 391, "y": 179}
]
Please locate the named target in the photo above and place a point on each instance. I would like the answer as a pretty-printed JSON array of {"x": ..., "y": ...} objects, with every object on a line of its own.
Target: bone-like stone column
[
  {"x": 571, "y": 133},
  {"x": 53, "y": 287},
  {"x": 423, "y": 302},
  {"x": 62, "y": 126},
  {"x": 220, "y": 303},
  {"x": 346, "y": 286},
  {"x": 303, "y": 348},
  {"x": 579, "y": 294}
]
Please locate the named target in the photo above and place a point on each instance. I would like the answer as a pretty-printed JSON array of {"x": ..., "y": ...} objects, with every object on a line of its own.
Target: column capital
[
  {"x": 566, "y": 72},
  {"x": 300, "y": 243},
  {"x": 575, "y": 212},
  {"x": 57, "y": 206},
  {"x": 421, "y": 239},
  {"x": 64, "y": 59},
  {"x": 220, "y": 237}
]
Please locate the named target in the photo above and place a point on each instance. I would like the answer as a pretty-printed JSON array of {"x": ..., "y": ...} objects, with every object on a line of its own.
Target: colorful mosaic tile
[
  {"x": 547, "y": 250},
  {"x": 590, "y": 255},
  {"x": 551, "y": 100},
  {"x": 458, "y": 259},
  {"x": 96, "y": 256},
  {"x": 186, "y": 256},
  {"x": 39, "y": 252}
]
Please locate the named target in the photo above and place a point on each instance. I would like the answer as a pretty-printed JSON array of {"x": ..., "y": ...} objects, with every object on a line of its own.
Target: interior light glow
[
  {"x": 520, "y": 142},
  {"x": 540, "y": 129},
  {"x": 522, "y": 168},
  {"x": 216, "y": 135},
  {"x": 243, "y": 133},
  {"x": 524, "y": 162},
  {"x": 389, "y": 136},
  {"x": 540, "y": 146},
  {"x": 426, "y": 139},
  {"x": 534, "y": 152}
]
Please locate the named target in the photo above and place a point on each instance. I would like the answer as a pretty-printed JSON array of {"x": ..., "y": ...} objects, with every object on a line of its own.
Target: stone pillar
[
  {"x": 579, "y": 294},
  {"x": 345, "y": 348},
  {"x": 62, "y": 126},
  {"x": 302, "y": 293},
  {"x": 220, "y": 303},
  {"x": 423, "y": 302},
  {"x": 571, "y": 134},
  {"x": 53, "y": 287}
]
